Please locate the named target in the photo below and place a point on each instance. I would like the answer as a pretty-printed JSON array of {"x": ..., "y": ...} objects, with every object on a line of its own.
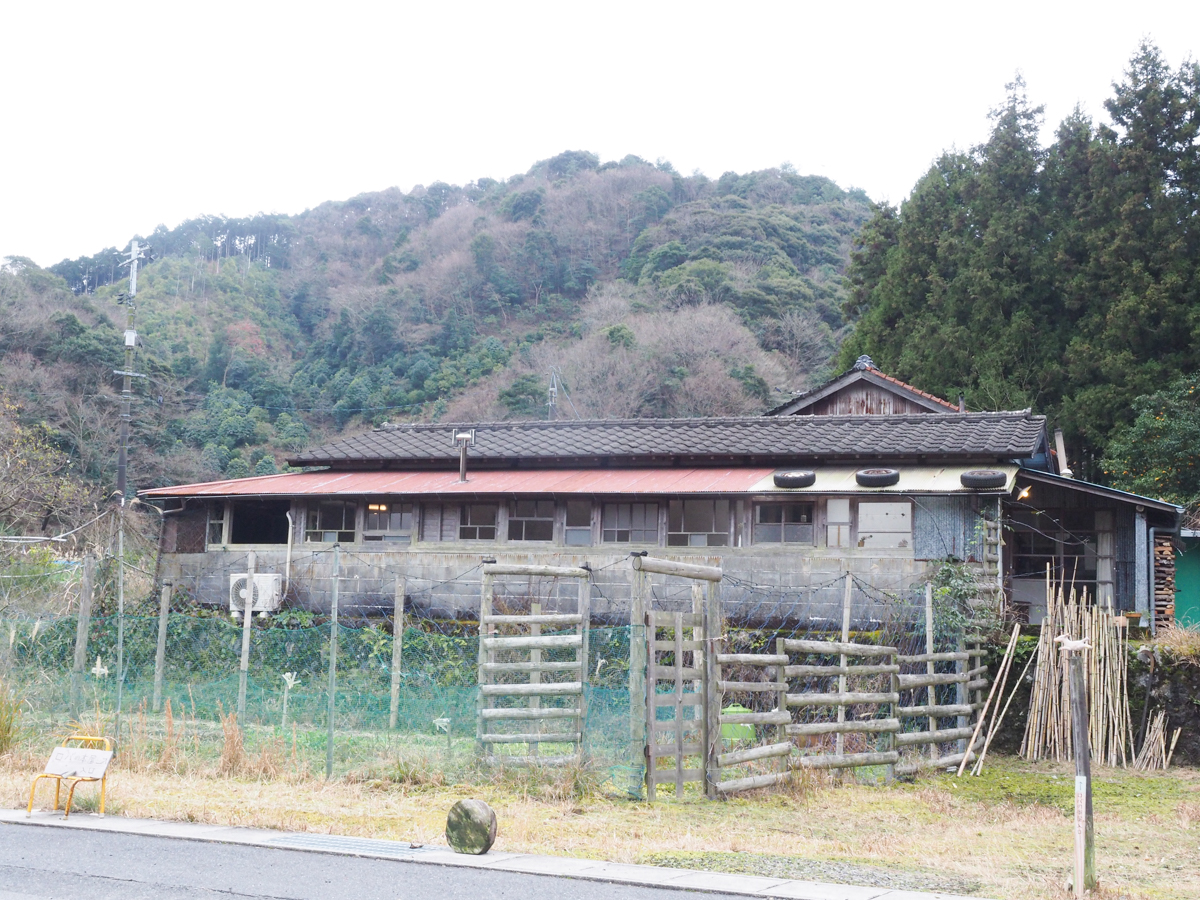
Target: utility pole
[{"x": 127, "y": 374}]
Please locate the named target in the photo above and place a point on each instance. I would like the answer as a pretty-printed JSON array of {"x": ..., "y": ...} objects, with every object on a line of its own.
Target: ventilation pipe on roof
[
  {"x": 1061, "y": 446},
  {"x": 962, "y": 402},
  {"x": 463, "y": 439}
]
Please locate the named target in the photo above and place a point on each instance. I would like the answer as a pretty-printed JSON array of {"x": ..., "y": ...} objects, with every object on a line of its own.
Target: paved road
[{"x": 52, "y": 863}]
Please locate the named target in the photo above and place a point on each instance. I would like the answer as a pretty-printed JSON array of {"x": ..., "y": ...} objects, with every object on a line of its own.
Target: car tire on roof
[
  {"x": 983, "y": 478},
  {"x": 877, "y": 477},
  {"x": 797, "y": 478}
]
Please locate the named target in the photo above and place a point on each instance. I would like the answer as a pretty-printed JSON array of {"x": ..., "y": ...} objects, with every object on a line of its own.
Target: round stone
[{"x": 471, "y": 827}]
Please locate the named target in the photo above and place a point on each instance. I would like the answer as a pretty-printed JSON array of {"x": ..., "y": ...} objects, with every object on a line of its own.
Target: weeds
[
  {"x": 233, "y": 751},
  {"x": 10, "y": 718}
]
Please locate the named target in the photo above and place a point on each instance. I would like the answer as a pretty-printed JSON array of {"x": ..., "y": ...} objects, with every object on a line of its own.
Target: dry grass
[
  {"x": 1009, "y": 831},
  {"x": 1182, "y": 643}
]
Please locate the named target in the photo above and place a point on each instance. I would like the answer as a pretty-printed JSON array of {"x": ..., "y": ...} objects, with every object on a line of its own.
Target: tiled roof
[
  {"x": 953, "y": 407},
  {"x": 1008, "y": 435}
]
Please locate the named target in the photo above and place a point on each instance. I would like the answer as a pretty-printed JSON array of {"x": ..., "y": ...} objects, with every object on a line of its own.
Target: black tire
[
  {"x": 877, "y": 477},
  {"x": 983, "y": 478},
  {"x": 797, "y": 478}
]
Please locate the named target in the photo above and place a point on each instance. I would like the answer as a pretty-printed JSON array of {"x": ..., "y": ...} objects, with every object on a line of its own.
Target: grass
[{"x": 1007, "y": 834}]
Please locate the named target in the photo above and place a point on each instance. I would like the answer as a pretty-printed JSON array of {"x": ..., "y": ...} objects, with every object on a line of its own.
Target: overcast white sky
[{"x": 120, "y": 117}]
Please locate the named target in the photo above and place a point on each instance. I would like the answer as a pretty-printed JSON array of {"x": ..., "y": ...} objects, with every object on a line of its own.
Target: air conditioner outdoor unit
[{"x": 268, "y": 592}]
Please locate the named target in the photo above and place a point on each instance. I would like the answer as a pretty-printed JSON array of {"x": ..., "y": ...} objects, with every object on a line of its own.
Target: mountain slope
[{"x": 646, "y": 292}]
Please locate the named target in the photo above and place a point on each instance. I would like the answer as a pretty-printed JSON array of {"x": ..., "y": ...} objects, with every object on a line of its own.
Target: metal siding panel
[{"x": 945, "y": 526}]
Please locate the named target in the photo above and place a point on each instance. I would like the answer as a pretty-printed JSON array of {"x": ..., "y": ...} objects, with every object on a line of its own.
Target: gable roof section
[
  {"x": 758, "y": 439},
  {"x": 864, "y": 371}
]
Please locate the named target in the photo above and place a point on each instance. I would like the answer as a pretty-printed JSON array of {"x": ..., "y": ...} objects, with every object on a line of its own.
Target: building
[{"x": 865, "y": 474}]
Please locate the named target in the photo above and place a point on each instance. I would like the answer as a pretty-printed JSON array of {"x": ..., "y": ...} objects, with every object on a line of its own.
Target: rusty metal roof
[
  {"x": 978, "y": 437},
  {"x": 659, "y": 482}
]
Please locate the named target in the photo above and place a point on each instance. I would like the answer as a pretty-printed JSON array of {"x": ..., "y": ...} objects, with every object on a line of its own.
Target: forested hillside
[
  {"x": 644, "y": 291},
  {"x": 1064, "y": 277}
]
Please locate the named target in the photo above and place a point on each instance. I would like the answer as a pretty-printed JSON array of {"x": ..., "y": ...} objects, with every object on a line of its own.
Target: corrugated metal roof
[{"x": 742, "y": 480}]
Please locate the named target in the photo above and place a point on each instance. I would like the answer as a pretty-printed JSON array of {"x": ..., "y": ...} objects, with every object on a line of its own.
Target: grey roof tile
[{"x": 962, "y": 435}]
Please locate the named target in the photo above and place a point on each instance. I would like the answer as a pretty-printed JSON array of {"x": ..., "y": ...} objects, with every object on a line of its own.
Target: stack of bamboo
[
  {"x": 1048, "y": 730},
  {"x": 1155, "y": 753},
  {"x": 1164, "y": 582}
]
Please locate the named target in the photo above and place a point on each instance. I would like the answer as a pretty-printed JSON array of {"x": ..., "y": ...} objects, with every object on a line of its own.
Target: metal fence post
[
  {"x": 247, "y": 622},
  {"x": 81, "y": 633},
  {"x": 333, "y": 645},
  {"x": 397, "y": 649},
  {"x": 160, "y": 653}
]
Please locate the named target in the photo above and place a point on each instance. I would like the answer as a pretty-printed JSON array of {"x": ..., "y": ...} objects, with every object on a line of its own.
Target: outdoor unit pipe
[{"x": 287, "y": 567}]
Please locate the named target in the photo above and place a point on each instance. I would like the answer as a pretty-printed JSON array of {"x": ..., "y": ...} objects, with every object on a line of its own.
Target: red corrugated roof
[{"x": 503, "y": 481}]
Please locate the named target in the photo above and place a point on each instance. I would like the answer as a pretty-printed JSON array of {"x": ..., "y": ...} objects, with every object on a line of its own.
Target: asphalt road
[{"x": 39, "y": 863}]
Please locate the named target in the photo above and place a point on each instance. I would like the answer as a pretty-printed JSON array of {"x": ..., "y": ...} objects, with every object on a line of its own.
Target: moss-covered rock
[{"x": 471, "y": 827}]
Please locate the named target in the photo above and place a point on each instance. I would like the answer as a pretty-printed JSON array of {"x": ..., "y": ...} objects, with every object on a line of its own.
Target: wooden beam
[{"x": 670, "y": 567}]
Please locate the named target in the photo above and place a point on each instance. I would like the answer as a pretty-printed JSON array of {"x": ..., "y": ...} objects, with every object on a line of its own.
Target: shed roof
[
  {"x": 590, "y": 482},
  {"x": 968, "y": 436}
]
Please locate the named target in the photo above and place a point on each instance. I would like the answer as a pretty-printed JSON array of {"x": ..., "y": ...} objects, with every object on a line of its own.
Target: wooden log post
[
  {"x": 81, "y": 633},
  {"x": 714, "y": 630},
  {"x": 247, "y": 622},
  {"x": 638, "y": 735},
  {"x": 333, "y": 652},
  {"x": 160, "y": 652},
  {"x": 584, "y": 627},
  {"x": 1085, "y": 838},
  {"x": 929, "y": 665},
  {"x": 486, "y": 656},
  {"x": 397, "y": 650},
  {"x": 844, "y": 661}
]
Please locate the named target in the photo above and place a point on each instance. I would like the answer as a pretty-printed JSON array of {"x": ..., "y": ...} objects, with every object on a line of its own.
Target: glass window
[
  {"x": 531, "y": 520},
  {"x": 1069, "y": 541},
  {"x": 391, "y": 522},
  {"x": 216, "y": 523},
  {"x": 783, "y": 523},
  {"x": 330, "y": 522},
  {"x": 578, "y": 532},
  {"x": 698, "y": 523},
  {"x": 629, "y": 523},
  {"x": 478, "y": 522}
]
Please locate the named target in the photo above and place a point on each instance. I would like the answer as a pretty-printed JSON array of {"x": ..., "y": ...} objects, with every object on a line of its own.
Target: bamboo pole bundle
[
  {"x": 1153, "y": 754},
  {"x": 1048, "y": 730}
]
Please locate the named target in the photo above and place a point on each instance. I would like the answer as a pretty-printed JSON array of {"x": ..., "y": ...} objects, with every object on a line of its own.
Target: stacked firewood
[{"x": 1164, "y": 582}]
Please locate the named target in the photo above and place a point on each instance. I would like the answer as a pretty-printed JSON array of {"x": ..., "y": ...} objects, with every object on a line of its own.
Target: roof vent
[{"x": 863, "y": 362}]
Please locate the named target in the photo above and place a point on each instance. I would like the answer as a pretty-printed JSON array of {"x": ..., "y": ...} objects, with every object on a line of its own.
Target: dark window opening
[
  {"x": 578, "y": 532},
  {"x": 629, "y": 523},
  {"x": 698, "y": 523},
  {"x": 259, "y": 522},
  {"x": 531, "y": 520},
  {"x": 478, "y": 522},
  {"x": 331, "y": 522},
  {"x": 783, "y": 523}
]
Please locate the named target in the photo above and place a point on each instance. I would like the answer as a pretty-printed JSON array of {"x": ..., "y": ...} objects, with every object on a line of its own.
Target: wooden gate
[
  {"x": 671, "y": 679},
  {"x": 675, "y": 685},
  {"x": 509, "y": 709}
]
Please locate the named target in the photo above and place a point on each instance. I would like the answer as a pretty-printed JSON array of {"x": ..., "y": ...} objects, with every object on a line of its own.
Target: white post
[
  {"x": 247, "y": 621},
  {"x": 397, "y": 649},
  {"x": 844, "y": 660},
  {"x": 333, "y": 643}
]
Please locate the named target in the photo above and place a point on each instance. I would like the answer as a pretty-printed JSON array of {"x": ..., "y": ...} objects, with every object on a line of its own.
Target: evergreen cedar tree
[{"x": 1065, "y": 278}]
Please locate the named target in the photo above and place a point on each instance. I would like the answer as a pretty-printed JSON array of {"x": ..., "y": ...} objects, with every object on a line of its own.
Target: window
[
  {"x": 478, "y": 522},
  {"x": 579, "y": 523},
  {"x": 783, "y": 523},
  {"x": 629, "y": 523},
  {"x": 1076, "y": 543},
  {"x": 884, "y": 525},
  {"x": 330, "y": 522},
  {"x": 837, "y": 512},
  {"x": 391, "y": 522},
  {"x": 216, "y": 523},
  {"x": 698, "y": 523},
  {"x": 531, "y": 520}
]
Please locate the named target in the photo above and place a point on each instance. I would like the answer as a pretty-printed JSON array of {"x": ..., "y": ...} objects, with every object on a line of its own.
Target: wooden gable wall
[{"x": 864, "y": 399}]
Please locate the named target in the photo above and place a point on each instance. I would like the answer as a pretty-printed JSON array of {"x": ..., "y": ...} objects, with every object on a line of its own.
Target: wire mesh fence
[{"x": 406, "y": 685}]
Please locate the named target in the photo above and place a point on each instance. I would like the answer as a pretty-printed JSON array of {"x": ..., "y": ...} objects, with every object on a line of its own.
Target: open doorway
[{"x": 259, "y": 522}]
